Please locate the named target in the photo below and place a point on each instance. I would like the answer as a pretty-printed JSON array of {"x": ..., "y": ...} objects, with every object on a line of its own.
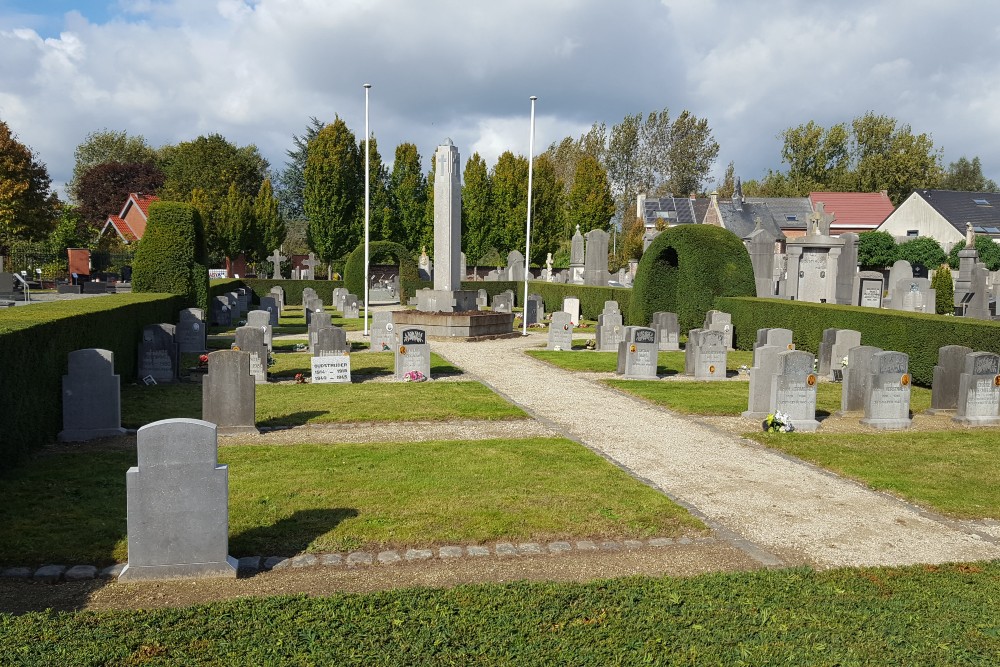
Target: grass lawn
[
  {"x": 297, "y": 404},
  {"x": 70, "y": 507},
  {"x": 670, "y": 363},
  {"x": 730, "y": 398},
  {"x": 954, "y": 472},
  {"x": 932, "y": 615}
]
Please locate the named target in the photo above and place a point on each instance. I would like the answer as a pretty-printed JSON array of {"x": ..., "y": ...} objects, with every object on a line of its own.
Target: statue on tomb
[{"x": 970, "y": 236}]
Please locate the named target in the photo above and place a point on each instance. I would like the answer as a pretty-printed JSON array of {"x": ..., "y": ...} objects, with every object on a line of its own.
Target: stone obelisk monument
[{"x": 447, "y": 295}]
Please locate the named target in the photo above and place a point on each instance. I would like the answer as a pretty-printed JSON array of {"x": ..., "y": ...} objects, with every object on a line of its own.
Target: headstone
[
  {"x": 534, "y": 309},
  {"x": 279, "y": 297},
  {"x": 331, "y": 360},
  {"x": 482, "y": 299},
  {"x": 492, "y": 276},
  {"x": 793, "y": 389},
  {"x": 577, "y": 259},
  {"x": 351, "y": 309},
  {"x": 309, "y": 268},
  {"x": 158, "y": 353},
  {"x": 228, "y": 393},
  {"x": 979, "y": 390},
  {"x": 595, "y": 270},
  {"x": 191, "y": 331},
  {"x": 7, "y": 291},
  {"x": 383, "y": 336},
  {"x": 856, "y": 378},
  {"x": 779, "y": 337},
  {"x": 868, "y": 288},
  {"x": 760, "y": 244},
  {"x": 560, "y": 332},
  {"x": 716, "y": 320},
  {"x": 331, "y": 340},
  {"x": 979, "y": 303},
  {"x": 339, "y": 293},
  {"x": 825, "y": 354},
  {"x": 571, "y": 305},
  {"x": 234, "y": 305},
  {"x": 413, "y": 351},
  {"x": 251, "y": 339},
  {"x": 638, "y": 354},
  {"x": 947, "y": 374},
  {"x": 261, "y": 319},
  {"x": 900, "y": 270},
  {"x": 320, "y": 320},
  {"x": 242, "y": 294},
  {"x": 764, "y": 369},
  {"x": 610, "y": 331},
  {"x": 504, "y": 302},
  {"x": 178, "y": 504},
  {"x": 91, "y": 397},
  {"x": 222, "y": 313},
  {"x": 887, "y": 399},
  {"x": 847, "y": 269},
  {"x": 914, "y": 295},
  {"x": 267, "y": 303},
  {"x": 515, "y": 266},
  {"x": 276, "y": 259},
  {"x": 667, "y": 330},
  {"x": 843, "y": 341},
  {"x": 708, "y": 354}
]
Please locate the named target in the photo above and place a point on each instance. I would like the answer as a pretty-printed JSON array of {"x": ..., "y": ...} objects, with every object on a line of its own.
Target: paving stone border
[{"x": 250, "y": 565}]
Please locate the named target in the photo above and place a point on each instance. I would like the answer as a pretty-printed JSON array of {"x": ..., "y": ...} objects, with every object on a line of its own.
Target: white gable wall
[{"x": 916, "y": 213}]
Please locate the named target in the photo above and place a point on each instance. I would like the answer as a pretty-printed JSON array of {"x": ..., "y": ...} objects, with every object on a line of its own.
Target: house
[
  {"x": 669, "y": 210},
  {"x": 781, "y": 217},
  {"x": 943, "y": 215},
  {"x": 130, "y": 223},
  {"x": 854, "y": 212}
]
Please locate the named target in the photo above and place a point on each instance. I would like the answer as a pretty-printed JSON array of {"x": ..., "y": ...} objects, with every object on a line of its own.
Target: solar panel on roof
[{"x": 981, "y": 202}]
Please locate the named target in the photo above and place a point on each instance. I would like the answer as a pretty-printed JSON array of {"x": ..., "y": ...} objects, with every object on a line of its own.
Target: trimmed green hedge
[
  {"x": 293, "y": 288},
  {"x": 378, "y": 253},
  {"x": 34, "y": 343},
  {"x": 169, "y": 258},
  {"x": 683, "y": 271},
  {"x": 917, "y": 334},
  {"x": 591, "y": 297}
]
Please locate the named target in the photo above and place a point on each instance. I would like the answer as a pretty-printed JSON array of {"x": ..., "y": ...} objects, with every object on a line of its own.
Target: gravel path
[{"x": 793, "y": 512}]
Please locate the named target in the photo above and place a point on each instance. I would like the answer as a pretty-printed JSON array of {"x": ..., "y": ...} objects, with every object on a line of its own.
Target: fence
[{"x": 38, "y": 261}]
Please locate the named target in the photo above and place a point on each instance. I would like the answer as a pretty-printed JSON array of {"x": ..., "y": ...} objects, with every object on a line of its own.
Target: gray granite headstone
[
  {"x": 234, "y": 305},
  {"x": 716, "y": 320},
  {"x": 482, "y": 298},
  {"x": 278, "y": 295},
  {"x": 534, "y": 309},
  {"x": 178, "y": 504},
  {"x": 667, "y": 330},
  {"x": 228, "y": 394},
  {"x": 560, "y": 332},
  {"x": 320, "y": 320},
  {"x": 609, "y": 331},
  {"x": 221, "y": 312},
  {"x": 251, "y": 339},
  {"x": 708, "y": 356},
  {"x": 793, "y": 389},
  {"x": 338, "y": 298},
  {"x": 269, "y": 304},
  {"x": 979, "y": 390},
  {"x": 158, "y": 353},
  {"x": 638, "y": 354},
  {"x": 276, "y": 259},
  {"x": 351, "y": 309},
  {"x": 824, "y": 356},
  {"x": 843, "y": 341},
  {"x": 91, "y": 397},
  {"x": 515, "y": 266},
  {"x": 947, "y": 373},
  {"x": 868, "y": 289},
  {"x": 261, "y": 319},
  {"x": 780, "y": 337},
  {"x": 331, "y": 340},
  {"x": 887, "y": 399},
  {"x": 764, "y": 369},
  {"x": 413, "y": 351},
  {"x": 900, "y": 270},
  {"x": 595, "y": 261},
  {"x": 191, "y": 331},
  {"x": 856, "y": 378},
  {"x": 242, "y": 294},
  {"x": 504, "y": 302},
  {"x": 383, "y": 336}
]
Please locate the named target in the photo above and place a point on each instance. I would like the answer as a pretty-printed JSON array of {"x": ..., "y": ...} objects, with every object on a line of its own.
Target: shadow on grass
[
  {"x": 294, "y": 419},
  {"x": 290, "y": 535}
]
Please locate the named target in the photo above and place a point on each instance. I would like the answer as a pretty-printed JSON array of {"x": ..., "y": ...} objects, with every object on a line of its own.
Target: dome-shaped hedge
[
  {"x": 685, "y": 269},
  {"x": 379, "y": 252}
]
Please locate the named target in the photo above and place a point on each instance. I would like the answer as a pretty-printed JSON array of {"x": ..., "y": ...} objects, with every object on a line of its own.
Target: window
[
  {"x": 912, "y": 233},
  {"x": 982, "y": 202},
  {"x": 791, "y": 218}
]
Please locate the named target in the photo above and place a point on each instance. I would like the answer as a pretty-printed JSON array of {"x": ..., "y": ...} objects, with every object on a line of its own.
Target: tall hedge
[
  {"x": 35, "y": 341},
  {"x": 917, "y": 334},
  {"x": 293, "y": 288},
  {"x": 382, "y": 252},
  {"x": 685, "y": 269},
  {"x": 592, "y": 297},
  {"x": 171, "y": 255}
]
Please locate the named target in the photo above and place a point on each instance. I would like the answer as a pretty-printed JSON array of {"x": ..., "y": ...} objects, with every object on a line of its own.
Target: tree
[
  {"x": 28, "y": 210},
  {"x": 726, "y": 189},
  {"x": 944, "y": 291},
  {"x": 817, "y": 158},
  {"x": 334, "y": 192},
  {"x": 510, "y": 200},
  {"x": 67, "y": 232},
  {"x": 690, "y": 154},
  {"x": 170, "y": 257},
  {"x": 876, "y": 250},
  {"x": 233, "y": 227},
  {"x": 989, "y": 253},
  {"x": 891, "y": 158},
  {"x": 381, "y": 214},
  {"x": 589, "y": 204},
  {"x": 922, "y": 251},
  {"x": 102, "y": 190},
  {"x": 623, "y": 162},
  {"x": 291, "y": 182},
  {"x": 547, "y": 210},
  {"x": 269, "y": 223},
  {"x": 478, "y": 230},
  {"x": 967, "y": 176},
  {"x": 408, "y": 193},
  {"x": 106, "y": 146}
]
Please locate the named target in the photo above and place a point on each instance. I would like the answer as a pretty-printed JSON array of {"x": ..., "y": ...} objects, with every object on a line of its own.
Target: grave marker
[
  {"x": 331, "y": 360},
  {"x": 887, "y": 397},
  {"x": 191, "y": 331},
  {"x": 708, "y": 354},
  {"x": 228, "y": 394},
  {"x": 843, "y": 341},
  {"x": 158, "y": 353},
  {"x": 560, "y": 332},
  {"x": 856, "y": 378},
  {"x": 261, "y": 319},
  {"x": 251, "y": 339},
  {"x": 534, "y": 309},
  {"x": 413, "y": 351},
  {"x": 764, "y": 369},
  {"x": 571, "y": 305},
  {"x": 947, "y": 373},
  {"x": 793, "y": 389},
  {"x": 668, "y": 330},
  {"x": 716, "y": 320},
  {"x": 267, "y": 303},
  {"x": 91, "y": 397},
  {"x": 638, "y": 354},
  {"x": 979, "y": 390},
  {"x": 276, "y": 259}
]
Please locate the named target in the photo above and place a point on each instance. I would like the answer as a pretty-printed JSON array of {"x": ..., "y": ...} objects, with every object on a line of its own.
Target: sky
[{"x": 255, "y": 71}]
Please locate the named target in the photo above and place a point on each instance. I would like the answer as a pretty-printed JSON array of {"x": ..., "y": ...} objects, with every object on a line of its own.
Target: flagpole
[
  {"x": 527, "y": 236},
  {"x": 367, "y": 201}
]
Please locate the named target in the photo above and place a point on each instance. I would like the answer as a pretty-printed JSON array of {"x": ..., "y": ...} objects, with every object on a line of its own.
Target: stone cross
[
  {"x": 820, "y": 221},
  {"x": 310, "y": 265},
  {"x": 276, "y": 259}
]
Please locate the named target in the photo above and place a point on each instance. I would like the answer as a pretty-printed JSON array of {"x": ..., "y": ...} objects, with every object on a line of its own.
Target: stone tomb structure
[
  {"x": 813, "y": 262},
  {"x": 979, "y": 390},
  {"x": 668, "y": 330},
  {"x": 261, "y": 319},
  {"x": 638, "y": 354},
  {"x": 331, "y": 360},
  {"x": 383, "y": 338},
  {"x": 857, "y": 379},
  {"x": 760, "y": 245},
  {"x": 705, "y": 355},
  {"x": 764, "y": 369},
  {"x": 178, "y": 504},
  {"x": 914, "y": 295},
  {"x": 947, "y": 374},
  {"x": 867, "y": 290},
  {"x": 793, "y": 389},
  {"x": 251, "y": 339},
  {"x": 91, "y": 397},
  {"x": 560, "y": 332},
  {"x": 887, "y": 396},
  {"x": 191, "y": 330},
  {"x": 716, "y": 320},
  {"x": 228, "y": 396},
  {"x": 158, "y": 354},
  {"x": 577, "y": 259},
  {"x": 413, "y": 351}
]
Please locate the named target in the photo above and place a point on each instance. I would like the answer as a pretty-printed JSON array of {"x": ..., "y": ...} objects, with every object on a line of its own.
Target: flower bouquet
[
  {"x": 203, "y": 361},
  {"x": 414, "y": 376},
  {"x": 300, "y": 378},
  {"x": 778, "y": 422}
]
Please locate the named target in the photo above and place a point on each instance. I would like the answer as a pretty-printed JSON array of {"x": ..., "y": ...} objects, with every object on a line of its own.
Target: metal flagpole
[
  {"x": 367, "y": 199},
  {"x": 527, "y": 236}
]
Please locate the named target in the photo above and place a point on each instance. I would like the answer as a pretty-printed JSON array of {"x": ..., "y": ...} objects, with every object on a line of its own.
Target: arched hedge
[
  {"x": 379, "y": 252},
  {"x": 171, "y": 255},
  {"x": 685, "y": 269}
]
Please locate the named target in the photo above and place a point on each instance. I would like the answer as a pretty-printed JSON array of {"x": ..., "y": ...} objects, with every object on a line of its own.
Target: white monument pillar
[{"x": 447, "y": 218}]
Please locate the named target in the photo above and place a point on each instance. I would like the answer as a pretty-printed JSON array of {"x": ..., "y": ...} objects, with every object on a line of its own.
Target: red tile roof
[
  {"x": 855, "y": 210},
  {"x": 121, "y": 227},
  {"x": 143, "y": 201}
]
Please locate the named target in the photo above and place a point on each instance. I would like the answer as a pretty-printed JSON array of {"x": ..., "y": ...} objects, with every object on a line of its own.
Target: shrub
[
  {"x": 989, "y": 252},
  {"x": 945, "y": 291},
  {"x": 685, "y": 269},
  {"x": 379, "y": 252},
  {"x": 166, "y": 258},
  {"x": 876, "y": 250}
]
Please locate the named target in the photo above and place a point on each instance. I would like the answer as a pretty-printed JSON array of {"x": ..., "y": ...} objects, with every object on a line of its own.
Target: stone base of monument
[
  {"x": 888, "y": 424},
  {"x": 976, "y": 421},
  {"x": 226, "y": 569},
  {"x": 84, "y": 434},
  {"x": 470, "y": 325},
  {"x": 446, "y": 301}
]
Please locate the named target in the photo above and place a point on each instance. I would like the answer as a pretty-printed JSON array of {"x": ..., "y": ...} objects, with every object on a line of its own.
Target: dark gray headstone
[
  {"x": 413, "y": 351},
  {"x": 331, "y": 340},
  {"x": 269, "y": 304},
  {"x": 242, "y": 299},
  {"x": 319, "y": 320},
  {"x": 178, "y": 504},
  {"x": 251, "y": 339},
  {"x": 560, "y": 332},
  {"x": 191, "y": 331},
  {"x": 947, "y": 373},
  {"x": 221, "y": 312},
  {"x": 228, "y": 394},
  {"x": 668, "y": 330},
  {"x": 824, "y": 356},
  {"x": 979, "y": 390},
  {"x": 534, "y": 309},
  {"x": 91, "y": 397},
  {"x": 383, "y": 336},
  {"x": 638, "y": 354},
  {"x": 887, "y": 399},
  {"x": 351, "y": 309},
  {"x": 793, "y": 389},
  {"x": 158, "y": 353}
]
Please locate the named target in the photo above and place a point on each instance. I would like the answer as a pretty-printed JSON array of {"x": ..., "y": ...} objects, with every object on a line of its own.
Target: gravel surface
[{"x": 789, "y": 509}]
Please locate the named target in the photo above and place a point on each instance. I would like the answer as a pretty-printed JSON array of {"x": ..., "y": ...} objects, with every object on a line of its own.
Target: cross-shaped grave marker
[
  {"x": 309, "y": 273},
  {"x": 276, "y": 259}
]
